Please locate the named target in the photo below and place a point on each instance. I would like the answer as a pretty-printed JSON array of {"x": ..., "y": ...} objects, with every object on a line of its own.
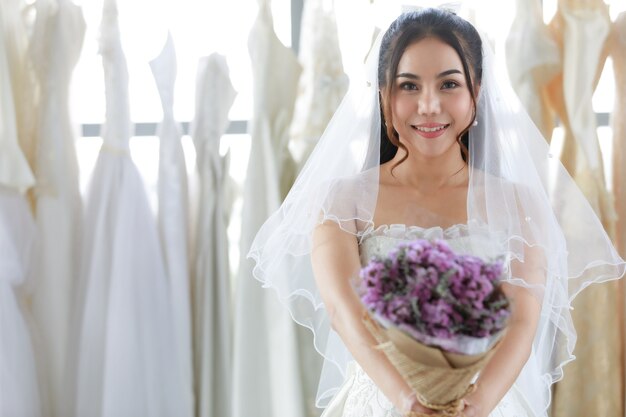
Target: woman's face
[{"x": 431, "y": 102}]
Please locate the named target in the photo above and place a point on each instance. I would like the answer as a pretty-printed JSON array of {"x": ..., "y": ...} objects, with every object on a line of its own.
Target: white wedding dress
[
  {"x": 271, "y": 351},
  {"x": 323, "y": 82},
  {"x": 126, "y": 349},
  {"x": 173, "y": 216},
  {"x": 19, "y": 389},
  {"x": 55, "y": 47},
  {"x": 212, "y": 306},
  {"x": 359, "y": 396},
  {"x": 618, "y": 123},
  {"x": 533, "y": 60}
]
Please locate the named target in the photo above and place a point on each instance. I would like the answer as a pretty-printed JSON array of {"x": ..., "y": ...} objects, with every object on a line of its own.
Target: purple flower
[{"x": 426, "y": 286}]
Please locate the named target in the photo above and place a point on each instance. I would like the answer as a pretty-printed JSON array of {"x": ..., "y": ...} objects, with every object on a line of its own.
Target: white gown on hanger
[
  {"x": 268, "y": 351},
  {"x": 17, "y": 29},
  {"x": 55, "y": 46},
  {"x": 359, "y": 396},
  {"x": 211, "y": 269},
  {"x": 173, "y": 216},
  {"x": 14, "y": 169},
  {"x": 126, "y": 347},
  {"x": 19, "y": 390},
  {"x": 618, "y": 54},
  {"x": 585, "y": 31},
  {"x": 323, "y": 82},
  {"x": 533, "y": 59}
]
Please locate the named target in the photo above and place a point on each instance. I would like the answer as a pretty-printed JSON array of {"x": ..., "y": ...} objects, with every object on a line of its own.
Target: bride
[{"x": 432, "y": 145}]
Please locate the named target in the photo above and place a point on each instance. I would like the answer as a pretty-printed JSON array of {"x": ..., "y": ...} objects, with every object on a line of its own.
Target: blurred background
[{"x": 144, "y": 142}]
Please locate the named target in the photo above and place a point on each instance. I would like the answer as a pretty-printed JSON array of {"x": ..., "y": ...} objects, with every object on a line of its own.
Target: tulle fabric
[{"x": 551, "y": 234}]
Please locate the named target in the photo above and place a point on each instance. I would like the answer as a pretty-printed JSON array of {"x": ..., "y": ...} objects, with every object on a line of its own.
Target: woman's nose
[{"x": 428, "y": 103}]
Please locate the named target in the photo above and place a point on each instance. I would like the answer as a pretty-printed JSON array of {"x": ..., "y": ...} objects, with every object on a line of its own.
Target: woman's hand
[
  {"x": 412, "y": 407},
  {"x": 474, "y": 406}
]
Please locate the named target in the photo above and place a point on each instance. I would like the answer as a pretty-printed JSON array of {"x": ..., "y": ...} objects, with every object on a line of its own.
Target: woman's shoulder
[
  {"x": 482, "y": 179},
  {"x": 488, "y": 187},
  {"x": 351, "y": 199},
  {"x": 351, "y": 188}
]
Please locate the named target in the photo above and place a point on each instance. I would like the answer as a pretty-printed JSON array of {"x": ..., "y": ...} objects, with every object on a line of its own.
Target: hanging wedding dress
[
  {"x": 533, "y": 60},
  {"x": 14, "y": 169},
  {"x": 269, "y": 347},
  {"x": 586, "y": 26},
  {"x": 591, "y": 386},
  {"x": 321, "y": 87},
  {"x": 19, "y": 392},
  {"x": 556, "y": 100},
  {"x": 617, "y": 51},
  {"x": 618, "y": 55},
  {"x": 23, "y": 80},
  {"x": 126, "y": 349},
  {"x": 323, "y": 82},
  {"x": 211, "y": 270},
  {"x": 55, "y": 46},
  {"x": 173, "y": 216}
]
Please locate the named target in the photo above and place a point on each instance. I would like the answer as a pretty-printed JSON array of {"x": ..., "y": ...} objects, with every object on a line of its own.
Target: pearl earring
[{"x": 475, "y": 123}]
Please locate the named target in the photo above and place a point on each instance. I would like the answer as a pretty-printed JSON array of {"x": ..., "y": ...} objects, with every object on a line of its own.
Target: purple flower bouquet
[{"x": 437, "y": 316}]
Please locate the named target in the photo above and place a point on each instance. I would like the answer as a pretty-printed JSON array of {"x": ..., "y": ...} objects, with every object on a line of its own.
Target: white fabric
[
  {"x": 173, "y": 218},
  {"x": 618, "y": 124},
  {"x": 267, "y": 351},
  {"x": 14, "y": 169},
  {"x": 55, "y": 46},
  {"x": 125, "y": 350},
  {"x": 19, "y": 391},
  {"x": 585, "y": 31},
  {"x": 19, "y": 386},
  {"x": 323, "y": 82},
  {"x": 510, "y": 191},
  {"x": 360, "y": 397},
  {"x": 24, "y": 85},
  {"x": 533, "y": 59},
  {"x": 211, "y": 269}
]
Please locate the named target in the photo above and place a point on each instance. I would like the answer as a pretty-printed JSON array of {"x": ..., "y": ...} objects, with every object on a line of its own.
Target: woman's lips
[{"x": 431, "y": 130}]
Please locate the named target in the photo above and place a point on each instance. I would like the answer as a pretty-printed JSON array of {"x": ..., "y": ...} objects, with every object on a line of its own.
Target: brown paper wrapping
[{"x": 439, "y": 379}]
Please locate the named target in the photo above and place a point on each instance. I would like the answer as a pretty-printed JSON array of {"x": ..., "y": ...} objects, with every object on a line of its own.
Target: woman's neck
[{"x": 428, "y": 175}]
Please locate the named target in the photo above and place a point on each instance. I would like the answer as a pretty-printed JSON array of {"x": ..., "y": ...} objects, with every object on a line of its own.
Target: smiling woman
[
  {"x": 430, "y": 99},
  {"x": 429, "y": 172}
]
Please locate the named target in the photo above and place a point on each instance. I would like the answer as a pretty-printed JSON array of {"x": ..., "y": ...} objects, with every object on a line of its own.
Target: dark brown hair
[{"x": 407, "y": 29}]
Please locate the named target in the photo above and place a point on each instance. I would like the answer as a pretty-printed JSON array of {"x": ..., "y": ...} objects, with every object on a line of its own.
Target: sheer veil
[{"x": 519, "y": 194}]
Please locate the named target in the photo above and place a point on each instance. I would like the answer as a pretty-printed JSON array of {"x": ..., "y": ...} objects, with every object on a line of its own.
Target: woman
[{"x": 445, "y": 153}]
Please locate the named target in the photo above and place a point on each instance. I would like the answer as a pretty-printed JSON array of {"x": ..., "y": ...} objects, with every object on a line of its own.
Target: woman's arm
[
  {"x": 335, "y": 258},
  {"x": 514, "y": 349}
]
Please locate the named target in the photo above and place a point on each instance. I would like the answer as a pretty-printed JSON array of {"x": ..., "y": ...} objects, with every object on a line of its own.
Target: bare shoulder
[
  {"x": 351, "y": 200},
  {"x": 515, "y": 197},
  {"x": 487, "y": 182}
]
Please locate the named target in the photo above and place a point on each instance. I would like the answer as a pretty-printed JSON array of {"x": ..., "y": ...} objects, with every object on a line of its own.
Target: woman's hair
[{"x": 407, "y": 29}]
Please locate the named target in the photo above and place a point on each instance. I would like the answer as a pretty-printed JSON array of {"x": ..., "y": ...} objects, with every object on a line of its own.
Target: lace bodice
[{"x": 462, "y": 238}]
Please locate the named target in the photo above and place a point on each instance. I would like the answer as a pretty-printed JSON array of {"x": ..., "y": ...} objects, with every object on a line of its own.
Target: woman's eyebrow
[{"x": 417, "y": 77}]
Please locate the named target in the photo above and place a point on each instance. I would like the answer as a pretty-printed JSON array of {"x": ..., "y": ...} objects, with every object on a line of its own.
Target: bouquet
[{"x": 436, "y": 315}]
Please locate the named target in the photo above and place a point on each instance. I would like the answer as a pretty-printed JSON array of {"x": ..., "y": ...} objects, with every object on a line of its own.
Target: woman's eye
[
  {"x": 449, "y": 84},
  {"x": 408, "y": 86}
]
